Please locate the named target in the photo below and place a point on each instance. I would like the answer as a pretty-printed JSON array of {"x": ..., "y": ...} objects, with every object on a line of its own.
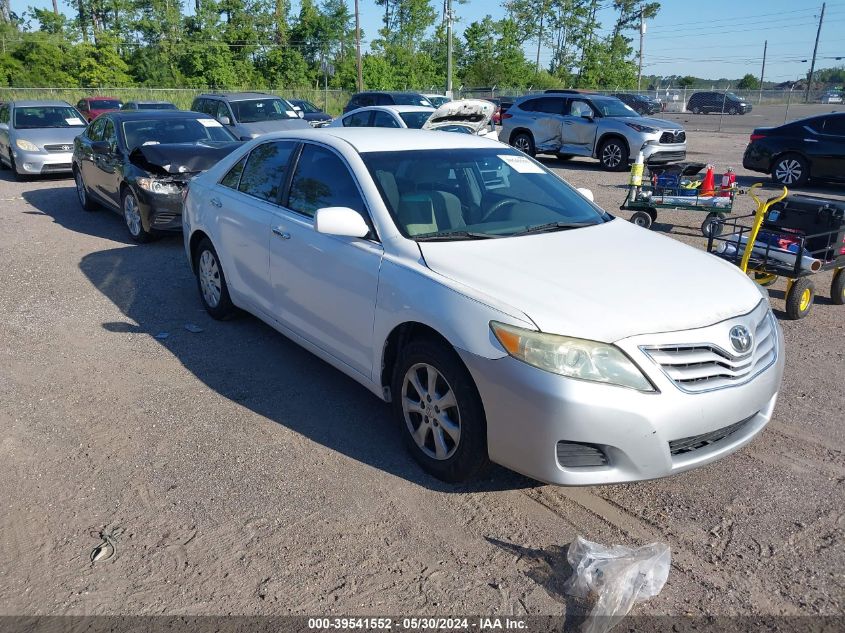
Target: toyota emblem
[
  {"x": 740, "y": 338},
  {"x": 66, "y": 148}
]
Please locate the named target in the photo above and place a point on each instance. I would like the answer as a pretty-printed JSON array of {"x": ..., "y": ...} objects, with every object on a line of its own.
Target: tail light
[
  {"x": 757, "y": 137},
  {"x": 507, "y": 116}
]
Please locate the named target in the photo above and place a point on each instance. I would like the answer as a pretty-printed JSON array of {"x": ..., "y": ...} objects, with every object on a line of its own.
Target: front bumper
[
  {"x": 43, "y": 162},
  {"x": 529, "y": 411},
  {"x": 160, "y": 212},
  {"x": 655, "y": 153}
]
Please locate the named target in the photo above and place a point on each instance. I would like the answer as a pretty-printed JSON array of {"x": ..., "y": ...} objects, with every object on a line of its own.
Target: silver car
[
  {"x": 36, "y": 137},
  {"x": 571, "y": 123}
]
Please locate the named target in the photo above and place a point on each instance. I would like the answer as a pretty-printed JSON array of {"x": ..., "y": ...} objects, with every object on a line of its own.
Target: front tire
[
  {"x": 132, "y": 217},
  {"x": 791, "y": 170},
  {"x": 696, "y": 110},
  {"x": 613, "y": 155},
  {"x": 437, "y": 405},
  {"x": 524, "y": 142},
  {"x": 211, "y": 282}
]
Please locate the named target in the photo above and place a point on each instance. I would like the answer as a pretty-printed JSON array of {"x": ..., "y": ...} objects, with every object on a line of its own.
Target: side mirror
[
  {"x": 225, "y": 120},
  {"x": 586, "y": 193},
  {"x": 101, "y": 147},
  {"x": 587, "y": 115},
  {"x": 341, "y": 221}
]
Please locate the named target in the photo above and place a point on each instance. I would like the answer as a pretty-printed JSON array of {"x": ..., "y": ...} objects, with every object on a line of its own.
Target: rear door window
[
  {"x": 358, "y": 119},
  {"x": 265, "y": 170},
  {"x": 383, "y": 119},
  {"x": 835, "y": 125},
  {"x": 322, "y": 180},
  {"x": 549, "y": 105}
]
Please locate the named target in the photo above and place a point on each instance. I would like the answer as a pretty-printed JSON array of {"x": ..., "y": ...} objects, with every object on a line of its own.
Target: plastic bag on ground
[{"x": 614, "y": 578}]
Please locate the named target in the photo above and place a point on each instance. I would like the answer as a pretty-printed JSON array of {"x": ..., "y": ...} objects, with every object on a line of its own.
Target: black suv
[
  {"x": 364, "y": 99},
  {"x": 640, "y": 103},
  {"x": 727, "y": 102}
]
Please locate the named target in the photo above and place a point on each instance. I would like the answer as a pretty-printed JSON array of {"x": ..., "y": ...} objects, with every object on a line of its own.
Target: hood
[
  {"x": 95, "y": 112},
  {"x": 605, "y": 282},
  {"x": 473, "y": 113},
  {"x": 180, "y": 158},
  {"x": 661, "y": 124},
  {"x": 50, "y": 136},
  {"x": 266, "y": 127}
]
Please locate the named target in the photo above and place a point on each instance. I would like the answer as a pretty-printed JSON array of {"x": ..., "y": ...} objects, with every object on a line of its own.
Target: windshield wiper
[
  {"x": 443, "y": 236},
  {"x": 553, "y": 226}
]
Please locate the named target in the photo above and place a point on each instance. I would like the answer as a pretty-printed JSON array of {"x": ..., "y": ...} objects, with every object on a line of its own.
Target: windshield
[
  {"x": 182, "y": 130},
  {"x": 32, "y": 118},
  {"x": 614, "y": 108},
  {"x": 475, "y": 193},
  {"x": 307, "y": 106},
  {"x": 256, "y": 110},
  {"x": 405, "y": 98},
  {"x": 104, "y": 104},
  {"x": 156, "y": 106},
  {"x": 415, "y": 120}
]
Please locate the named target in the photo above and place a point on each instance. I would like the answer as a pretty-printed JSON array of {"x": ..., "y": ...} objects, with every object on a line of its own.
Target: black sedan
[
  {"x": 311, "y": 113},
  {"x": 642, "y": 104},
  {"x": 138, "y": 164},
  {"x": 797, "y": 151}
]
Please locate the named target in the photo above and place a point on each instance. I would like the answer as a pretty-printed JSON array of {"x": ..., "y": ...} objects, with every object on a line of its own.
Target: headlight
[
  {"x": 641, "y": 128},
  {"x": 572, "y": 357},
  {"x": 157, "y": 186},
  {"x": 26, "y": 145}
]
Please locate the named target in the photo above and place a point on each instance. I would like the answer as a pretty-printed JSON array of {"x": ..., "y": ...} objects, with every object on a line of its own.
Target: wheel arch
[
  {"x": 196, "y": 237},
  {"x": 401, "y": 335},
  {"x": 606, "y": 137},
  {"x": 519, "y": 130},
  {"x": 776, "y": 157}
]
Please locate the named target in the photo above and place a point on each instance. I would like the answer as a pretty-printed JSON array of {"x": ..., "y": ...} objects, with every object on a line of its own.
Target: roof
[
  {"x": 394, "y": 108},
  {"x": 146, "y": 101},
  {"x": 39, "y": 102},
  {"x": 371, "y": 139},
  {"x": 387, "y": 92},
  {"x": 134, "y": 115},
  {"x": 99, "y": 97},
  {"x": 238, "y": 96}
]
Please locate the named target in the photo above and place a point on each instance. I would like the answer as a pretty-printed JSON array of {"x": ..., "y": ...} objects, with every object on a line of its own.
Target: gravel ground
[{"x": 249, "y": 477}]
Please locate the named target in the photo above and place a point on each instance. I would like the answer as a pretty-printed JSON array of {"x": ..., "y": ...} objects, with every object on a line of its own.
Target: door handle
[
  {"x": 216, "y": 202},
  {"x": 282, "y": 234}
]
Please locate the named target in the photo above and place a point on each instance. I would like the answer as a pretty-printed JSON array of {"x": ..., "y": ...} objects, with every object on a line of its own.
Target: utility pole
[
  {"x": 813, "y": 63},
  {"x": 358, "y": 47},
  {"x": 763, "y": 71},
  {"x": 449, "y": 48},
  {"x": 642, "y": 33}
]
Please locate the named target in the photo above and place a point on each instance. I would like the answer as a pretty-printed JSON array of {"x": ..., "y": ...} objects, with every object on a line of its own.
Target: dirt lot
[{"x": 249, "y": 477}]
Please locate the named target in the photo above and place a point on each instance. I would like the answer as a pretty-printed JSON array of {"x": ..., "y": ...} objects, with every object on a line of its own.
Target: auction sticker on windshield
[
  {"x": 74, "y": 121},
  {"x": 210, "y": 122},
  {"x": 521, "y": 164}
]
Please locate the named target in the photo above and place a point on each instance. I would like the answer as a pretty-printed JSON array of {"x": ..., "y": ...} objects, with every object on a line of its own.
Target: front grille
[
  {"x": 696, "y": 442},
  {"x": 669, "y": 138},
  {"x": 51, "y": 167},
  {"x": 573, "y": 455},
  {"x": 702, "y": 367},
  {"x": 67, "y": 147}
]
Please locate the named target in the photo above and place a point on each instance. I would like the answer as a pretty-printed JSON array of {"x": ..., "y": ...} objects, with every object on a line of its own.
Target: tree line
[{"x": 228, "y": 44}]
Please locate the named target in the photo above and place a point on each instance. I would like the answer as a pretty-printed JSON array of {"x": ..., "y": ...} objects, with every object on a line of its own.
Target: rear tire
[
  {"x": 82, "y": 192},
  {"x": 613, "y": 155},
  {"x": 211, "y": 282},
  {"x": 799, "y": 299},
  {"x": 449, "y": 443},
  {"x": 837, "y": 287},
  {"x": 696, "y": 110},
  {"x": 524, "y": 142},
  {"x": 564, "y": 156},
  {"x": 791, "y": 170}
]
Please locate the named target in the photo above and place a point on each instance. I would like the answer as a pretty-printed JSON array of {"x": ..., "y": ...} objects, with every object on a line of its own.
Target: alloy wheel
[
  {"x": 80, "y": 189},
  {"x": 209, "y": 273},
  {"x": 431, "y": 411},
  {"x": 522, "y": 144},
  {"x": 611, "y": 155},
  {"x": 788, "y": 171},
  {"x": 132, "y": 215}
]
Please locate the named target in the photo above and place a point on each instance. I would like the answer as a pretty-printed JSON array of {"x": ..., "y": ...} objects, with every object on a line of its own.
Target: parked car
[
  {"x": 364, "y": 99},
  {"x": 311, "y": 113},
  {"x": 437, "y": 100},
  {"x": 36, "y": 137},
  {"x": 92, "y": 107},
  {"x": 480, "y": 294},
  {"x": 400, "y": 116},
  {"x": 580, "y": 124},
  {"x": 726, "y": 102},
  {"x": 149, "y": 105},
  {"x": 502, "y": 106},
  {"x": 250, "y": 114},
  {"x": 139, "y": 163},
  {"x": 831, "y": 96},
  {"x": 464, "y": 116},
  {"x": 799, "y": 150},
  {"x": 640, "y": 103}
]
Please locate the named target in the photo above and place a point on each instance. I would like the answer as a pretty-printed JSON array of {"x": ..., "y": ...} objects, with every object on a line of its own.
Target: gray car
[
  {"x": 578, "y": 124},
  {"x": 248, "y": 115},
  {"x": 36, "y": 137}
]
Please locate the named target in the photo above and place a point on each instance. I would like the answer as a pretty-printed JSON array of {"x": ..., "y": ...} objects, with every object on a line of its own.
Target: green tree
[
  {"x": 748, "y": 82},
  {"x": 686, "y": 82}
]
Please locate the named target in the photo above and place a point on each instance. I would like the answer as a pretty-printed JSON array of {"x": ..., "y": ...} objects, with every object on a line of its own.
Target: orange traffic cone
[{"x": 708, "y": 185}]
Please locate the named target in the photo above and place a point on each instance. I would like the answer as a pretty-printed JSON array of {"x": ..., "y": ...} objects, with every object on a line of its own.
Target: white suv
[{"x": 505, "y": 317}]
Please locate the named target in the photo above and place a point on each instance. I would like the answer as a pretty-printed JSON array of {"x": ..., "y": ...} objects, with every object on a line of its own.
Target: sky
[{"x": 727, "y": 41}]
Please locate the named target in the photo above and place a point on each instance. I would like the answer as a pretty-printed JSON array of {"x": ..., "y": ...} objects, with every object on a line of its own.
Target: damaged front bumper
[{"x": 161, "y": 202}]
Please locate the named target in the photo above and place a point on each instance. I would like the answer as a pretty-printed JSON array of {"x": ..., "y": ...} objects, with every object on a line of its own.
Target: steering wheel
[{"x": 499, "y": 205}]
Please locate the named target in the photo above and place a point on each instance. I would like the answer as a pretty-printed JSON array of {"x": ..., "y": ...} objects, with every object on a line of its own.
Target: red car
[{"x": 92, "y": 107}]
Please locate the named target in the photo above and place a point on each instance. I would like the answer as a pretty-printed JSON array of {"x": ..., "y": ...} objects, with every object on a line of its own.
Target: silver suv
[
  {"x": 250, "y": 114},
  {"x": 576, "y": 124}
]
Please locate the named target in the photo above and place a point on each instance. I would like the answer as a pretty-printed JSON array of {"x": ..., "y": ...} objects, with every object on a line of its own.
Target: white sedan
[
  {"x": 389, "y": 116},
  {"x": 504, "y": 316}
]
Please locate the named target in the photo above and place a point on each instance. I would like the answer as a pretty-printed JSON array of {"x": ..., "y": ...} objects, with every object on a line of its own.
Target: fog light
[
  {"x": 574, "y": 455},
  {"x": 28, "y": 167}
]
